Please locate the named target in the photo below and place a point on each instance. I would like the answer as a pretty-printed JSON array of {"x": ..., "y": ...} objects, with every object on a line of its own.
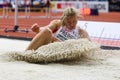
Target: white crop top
[{"x": 64, "y": 33}]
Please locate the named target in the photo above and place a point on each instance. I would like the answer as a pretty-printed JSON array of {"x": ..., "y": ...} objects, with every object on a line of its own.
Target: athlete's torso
[{"x": 64, "y": 33}]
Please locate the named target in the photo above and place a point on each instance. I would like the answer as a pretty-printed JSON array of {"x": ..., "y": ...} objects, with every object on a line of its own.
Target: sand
[{"x": 108, "y": 69}]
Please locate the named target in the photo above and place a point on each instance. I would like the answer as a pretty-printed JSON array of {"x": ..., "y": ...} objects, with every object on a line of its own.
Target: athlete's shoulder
[{"x": 56, "y": 21}]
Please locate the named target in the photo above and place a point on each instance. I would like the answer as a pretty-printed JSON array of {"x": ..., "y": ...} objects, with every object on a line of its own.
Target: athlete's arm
[
  {"x": 54, "y": 25},
  {"x": 84, "y": 34}
]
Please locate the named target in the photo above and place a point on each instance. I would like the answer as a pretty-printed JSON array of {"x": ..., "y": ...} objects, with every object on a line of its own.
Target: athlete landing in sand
[{"x": 58, "y": 30}]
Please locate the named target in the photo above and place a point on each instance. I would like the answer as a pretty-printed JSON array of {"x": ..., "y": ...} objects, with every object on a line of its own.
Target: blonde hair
[{"x": 68, "y": 12}]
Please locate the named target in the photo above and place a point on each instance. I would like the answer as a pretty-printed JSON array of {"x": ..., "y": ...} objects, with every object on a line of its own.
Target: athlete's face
[{"x": 71, "y": 22}]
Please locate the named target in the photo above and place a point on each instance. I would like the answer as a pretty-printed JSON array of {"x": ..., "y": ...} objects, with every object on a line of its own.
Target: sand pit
[{"x": 107, "y": 68}]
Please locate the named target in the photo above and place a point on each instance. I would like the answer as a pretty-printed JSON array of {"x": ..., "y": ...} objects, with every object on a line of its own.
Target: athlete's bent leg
[{"x": 42, "y": 38}]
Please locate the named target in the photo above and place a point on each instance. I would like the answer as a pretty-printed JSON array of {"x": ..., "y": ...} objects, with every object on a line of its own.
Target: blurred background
[
  {"x": 101, "y": 5},
  {"x": 86, "y": 7}
]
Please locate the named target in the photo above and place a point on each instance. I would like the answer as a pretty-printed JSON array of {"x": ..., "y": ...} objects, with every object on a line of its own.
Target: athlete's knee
[{"x": 47, "y": 31}]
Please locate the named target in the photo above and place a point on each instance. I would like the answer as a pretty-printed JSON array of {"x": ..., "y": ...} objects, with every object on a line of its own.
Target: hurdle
[
  {"x": 40, "y": 13},
  {"x": 1, "y": 13},
  {"x": 16, "y": 27}
]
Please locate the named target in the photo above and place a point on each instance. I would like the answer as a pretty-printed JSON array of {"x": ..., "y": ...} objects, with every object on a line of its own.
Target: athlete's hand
[{"x": 35, "y": 28}]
